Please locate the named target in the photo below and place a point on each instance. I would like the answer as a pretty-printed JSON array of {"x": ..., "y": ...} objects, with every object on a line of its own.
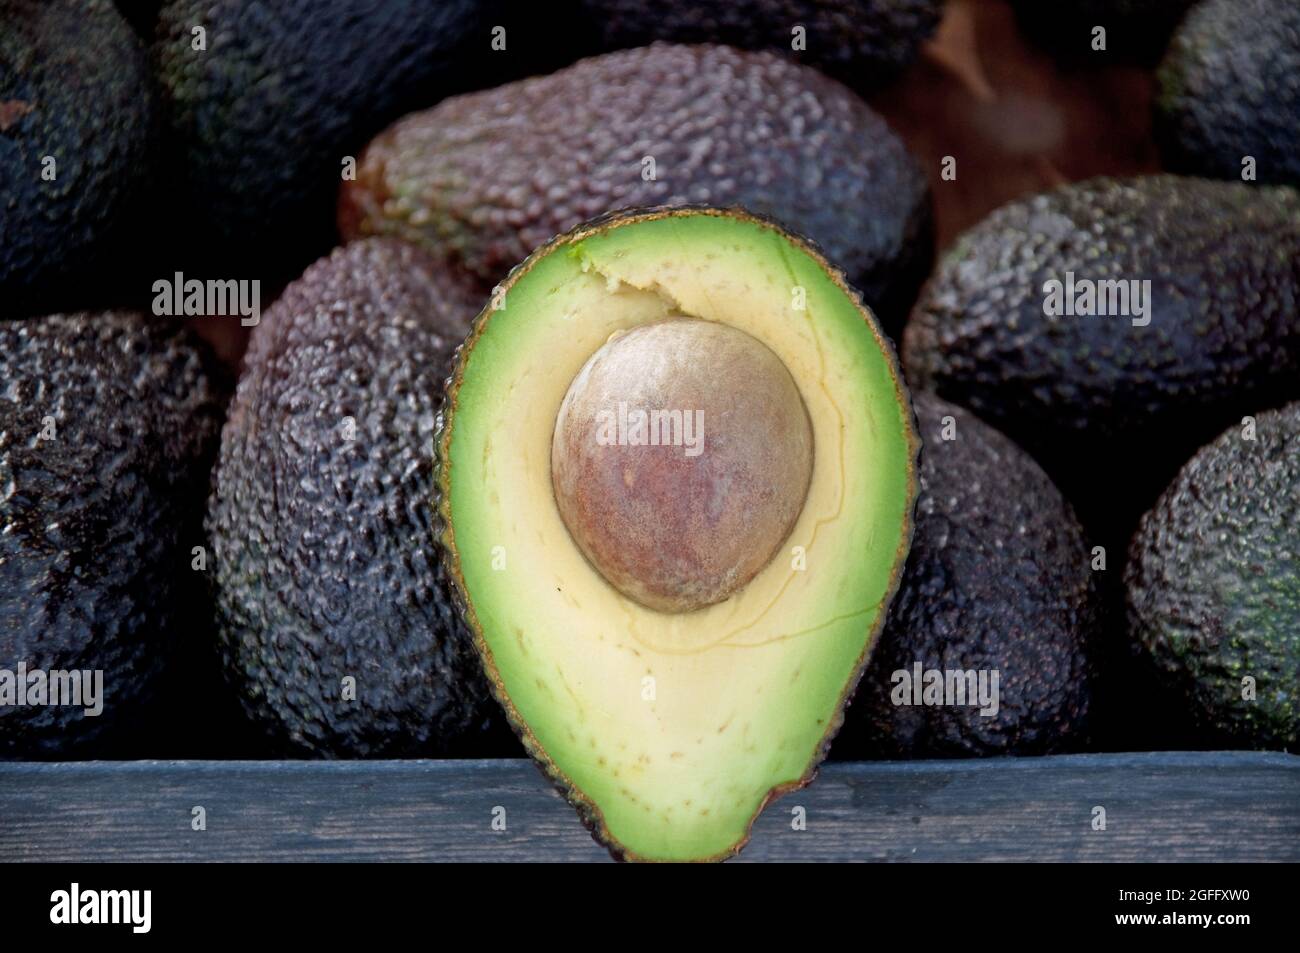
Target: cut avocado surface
[{"x": 670, "y": 729}]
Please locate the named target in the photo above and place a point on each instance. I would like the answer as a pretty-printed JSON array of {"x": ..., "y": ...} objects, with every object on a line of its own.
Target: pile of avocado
[{"x": 612, "y": 407}]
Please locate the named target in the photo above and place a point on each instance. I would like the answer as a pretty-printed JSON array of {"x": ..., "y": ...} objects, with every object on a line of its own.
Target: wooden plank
[{"x": 1240, "y": 806}]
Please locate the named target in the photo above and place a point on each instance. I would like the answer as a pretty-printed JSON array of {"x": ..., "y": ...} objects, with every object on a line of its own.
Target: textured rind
[
  {"x": 1137, "y": 31},
  {"x": 1230, "y": 88},
  {"x": 74, "y": 85},
  {"x": 865, "y": 43},
  {"x": 998, "y": 577},
  {"x": 1089, "y": 395},
  {"x": 1214, "y": 583},
  {"x": 97, "y": 524},
  {"x": 284, "y": 91},
  {"x": 587, "y": 811},
  {"x": 485, "y": 178},
  {"x": 324, "y": 548}
]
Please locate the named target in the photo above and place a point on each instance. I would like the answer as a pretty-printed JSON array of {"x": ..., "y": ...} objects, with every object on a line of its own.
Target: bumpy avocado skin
[
  {"x": 998, "y": 577},
  {"x": 263, "y": 118},
  {"x": 1137, "y": 31},
  {"x": 865, "y": 43},
  {"x": 1109, "y": 409},
  {"x": 1214, "y": 584},
  {"x": 109, "y": 424},
  {"x": 74, "y": 86},
  {"x": 326, "y": 563},
  {"x": 483, "y": 179},
  {"x": 1230, "y": 88}
]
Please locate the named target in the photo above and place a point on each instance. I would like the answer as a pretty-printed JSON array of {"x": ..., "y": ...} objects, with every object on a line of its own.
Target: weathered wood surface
[{"x": 1238, "y": 806}]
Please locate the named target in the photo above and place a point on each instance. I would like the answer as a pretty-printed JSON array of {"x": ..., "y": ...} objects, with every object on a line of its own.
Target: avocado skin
[
  {"x": 864, "y": 43},
  {"x": 1214, "y": 584},
  {"x": 326, "y": 560},
  {"x": 994, "y": 580},
  {"x": 74, "y": 85},
  {"x": 1089, "y": 396},
  {"x": 1137, "y": 31},
  {"x": 1229, "y": 87},
  {"x": 263, "y": 118},
  {"x": 483, "y": 179},
  {"x": 97, "y": 525}
]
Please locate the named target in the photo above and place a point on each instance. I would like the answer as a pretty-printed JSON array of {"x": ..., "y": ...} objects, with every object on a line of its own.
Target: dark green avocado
[
  {"x": 77, "y": 132},
  {"x": 1137, "y": 31},
  {"x": 864, "y": 43},
  {"x": 109, "y": 424},
  {"x": 1112, "y": 404},
  {"x": 484, "y": 178},
  {"x": 1214, "y": 584},
  {"x": 321, "y": 519},
  {"x": 999, "y": 579},
  {"x": 1230, "y": 88},
  {"x": 264, "y": 116}
]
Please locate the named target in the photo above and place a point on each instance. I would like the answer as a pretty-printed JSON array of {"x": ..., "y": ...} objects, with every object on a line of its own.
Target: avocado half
[{"x": 670, "y": 713}]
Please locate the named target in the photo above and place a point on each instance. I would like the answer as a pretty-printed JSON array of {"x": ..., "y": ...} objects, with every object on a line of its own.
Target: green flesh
[{"x": 673, "y": 730}]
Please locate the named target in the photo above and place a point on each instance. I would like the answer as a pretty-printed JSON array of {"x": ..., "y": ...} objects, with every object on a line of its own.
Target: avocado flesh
[{"x": 747, "y": 691}]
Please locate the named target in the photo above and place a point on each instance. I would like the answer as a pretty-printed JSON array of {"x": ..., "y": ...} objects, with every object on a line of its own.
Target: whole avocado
[
  {"x": 265, "y": 113},
  {"x": 1137, "y": 31},
  {"x": 321, "y": 518},
  {"x": 996, "y": 581},
  {"x": 1230, "y": 89},
  {"x": 865, "y": 43},
  {"x": 1214, "y": 268},
  {"x": 77, "y": 132},
  {"x": 108, "y": 427},
  {"x": 484, "y": 178},
  {"x": 1214, "y": 584}
]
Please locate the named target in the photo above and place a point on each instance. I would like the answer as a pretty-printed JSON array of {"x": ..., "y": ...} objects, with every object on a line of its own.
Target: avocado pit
[{"x": 681, "y": 459}]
